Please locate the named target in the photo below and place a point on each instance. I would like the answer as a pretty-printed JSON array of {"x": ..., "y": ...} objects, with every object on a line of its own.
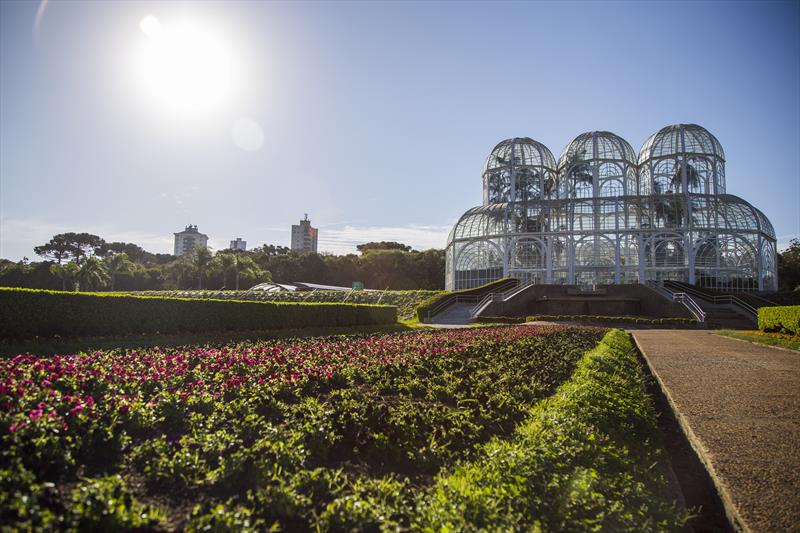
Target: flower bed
[
  {"x": 329, "y": 433},
  {"x": 277, "y": 428},
  {"x": 405, "y": 301}
]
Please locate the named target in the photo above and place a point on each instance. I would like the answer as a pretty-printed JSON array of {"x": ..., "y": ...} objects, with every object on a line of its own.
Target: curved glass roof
[
  {"x": 596, "y": 146},
  {"x": 479, "y": 222},
  {"x": 677, "y": 139},
  {"x": 486, "y": 221},
  {"x": 738, "y": 214},
  {"x": 520, "y": 152}
]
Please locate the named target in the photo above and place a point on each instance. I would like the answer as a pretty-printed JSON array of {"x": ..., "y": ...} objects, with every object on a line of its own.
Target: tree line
[{"x": 86, "y": 262}]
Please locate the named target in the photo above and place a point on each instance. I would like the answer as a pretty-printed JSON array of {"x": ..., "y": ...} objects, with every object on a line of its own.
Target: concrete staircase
[
  {"x": 722, "y": 317},
  {"x": 723, "y": 311},
  {"x": 457, "y": 313}
]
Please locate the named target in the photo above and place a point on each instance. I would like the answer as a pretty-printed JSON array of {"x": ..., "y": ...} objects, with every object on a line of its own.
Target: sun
[{"x": 184, "y": 68}]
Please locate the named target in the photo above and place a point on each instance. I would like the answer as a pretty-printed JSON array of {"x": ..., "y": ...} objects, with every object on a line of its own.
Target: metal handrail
[
  {"x": 510, "y": 293},
  {"x": 694, "y": 308},
  {"x": 681, "y": 298},
  {"x": 499, "y": 297},
  {"x": 729, "y": 299},
  {"x": 454, "y": 298},
  {"x": 489, "y": 298},
  {"x": 444, "y": 304}
]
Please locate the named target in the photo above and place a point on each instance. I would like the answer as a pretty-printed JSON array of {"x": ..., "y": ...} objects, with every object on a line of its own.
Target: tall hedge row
[
  {"x": 26, "y": 313},
  {"x": 784, "y": 318}
]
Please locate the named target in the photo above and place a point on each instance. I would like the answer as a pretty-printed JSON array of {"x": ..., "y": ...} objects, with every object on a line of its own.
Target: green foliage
[
  {"x": 500, "y": 320},
  {"x": 27, "y": 313},
  {"x": 789, "y": 266},
  {"x": 790, "y": 342},
  {"x": 585, "y": 460},
  {"x": 106, "y": 504},
  {"x": 68, "y": 274},
  {"x": 357, "y": 450},
  {"x": 383, "y": 245},
  {"x": 784, "y": 319},
  {"x": 433, "y": 301},
  {"x": 611, "y": 319},
  {"x": 70, "y": 245},
  {"x": 117, "y": 264},
  {"x": 388, "y": 265},
  {"x": 93, "y": 275},
  {"x": 405, "y": 301}
]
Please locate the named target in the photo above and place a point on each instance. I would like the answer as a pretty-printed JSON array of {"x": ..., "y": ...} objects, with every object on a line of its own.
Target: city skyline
[{"x": 376, "y": 118}]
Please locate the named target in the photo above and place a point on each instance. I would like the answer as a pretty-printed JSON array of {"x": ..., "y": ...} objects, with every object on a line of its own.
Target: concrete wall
[{"x": 613, "y": 300}]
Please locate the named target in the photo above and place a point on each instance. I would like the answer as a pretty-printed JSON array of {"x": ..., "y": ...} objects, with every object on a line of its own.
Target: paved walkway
[{"x": 739, "y": 404}]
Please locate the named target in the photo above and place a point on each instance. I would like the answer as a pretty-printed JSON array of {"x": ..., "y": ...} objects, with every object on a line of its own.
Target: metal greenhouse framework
[{"x": 600, "y": 215}]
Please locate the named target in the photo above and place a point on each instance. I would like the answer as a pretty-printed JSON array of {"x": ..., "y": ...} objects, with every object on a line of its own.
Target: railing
[
  {"x": 499, "y": 297},
  {"x": 691, "y": 305},
  {"x": 681, "y": 298},
  {"x": 489, "y": 298},
  {"x": 723, "y": 299},
  {"x": 456, "y": 298},
  {"x": 462, "y": 298}
]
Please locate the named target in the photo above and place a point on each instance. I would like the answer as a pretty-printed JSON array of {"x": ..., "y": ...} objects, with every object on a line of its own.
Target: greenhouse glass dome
[{"x": 602, "y": 215}]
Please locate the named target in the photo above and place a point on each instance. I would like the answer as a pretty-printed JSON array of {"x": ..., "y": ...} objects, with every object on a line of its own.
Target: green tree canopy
[
  {"x": 68, "y": 274},
  {"x": 66, "y": 246},
  {"x": 93, "y": 275},
  {"x": 117, "y": 264},
  {"x": 56, "y": 249},
  {"x": 383, "y": 245},
  {"x": 789, "y": 266}
]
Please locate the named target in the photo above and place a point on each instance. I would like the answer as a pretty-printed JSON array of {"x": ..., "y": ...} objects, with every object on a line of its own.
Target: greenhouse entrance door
[
  {"x": 529, "y": 276},
  {"x": 594, "y": 276}
]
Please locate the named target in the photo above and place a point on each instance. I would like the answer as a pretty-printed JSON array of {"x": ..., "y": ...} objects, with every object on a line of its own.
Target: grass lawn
[{"x": 781, "y": 340}]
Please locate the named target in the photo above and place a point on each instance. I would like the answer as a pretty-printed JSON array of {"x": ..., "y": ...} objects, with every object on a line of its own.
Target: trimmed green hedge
[
  {"x": 499, "y": 320},
  {"x": 586, "y": 459},
  {"x": 610, "y": 319},
  {"x": 784, "y": 318},
  {"x": 433, "y": 301},
  {"x": 26, "y": 313}
]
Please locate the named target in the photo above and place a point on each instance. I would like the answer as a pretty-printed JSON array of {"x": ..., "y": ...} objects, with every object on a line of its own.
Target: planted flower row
[
  {"x": 277, "y": 429},
  {"x": 405, "y": 301}
]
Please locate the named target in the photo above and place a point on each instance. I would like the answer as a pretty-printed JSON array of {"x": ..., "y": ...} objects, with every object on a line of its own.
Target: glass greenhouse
[{"x": 600, "y": 215}]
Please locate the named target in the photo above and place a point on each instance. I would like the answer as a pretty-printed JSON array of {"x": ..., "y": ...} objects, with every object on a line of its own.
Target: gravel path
[{"x": 739, "y": 404}]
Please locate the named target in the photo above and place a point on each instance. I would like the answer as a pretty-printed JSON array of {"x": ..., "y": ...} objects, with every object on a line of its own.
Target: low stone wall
[{"x": 609, "y": 300}]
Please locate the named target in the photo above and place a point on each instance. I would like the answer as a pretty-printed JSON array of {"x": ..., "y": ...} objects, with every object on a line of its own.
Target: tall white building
[
  {"x": 188, "y": 240},
  {"x": 238, "y": 244},
  {"x": 304, "y": 237}
]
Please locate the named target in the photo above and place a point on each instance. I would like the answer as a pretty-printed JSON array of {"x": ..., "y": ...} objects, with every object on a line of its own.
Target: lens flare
[{"x": 184, "y": 68}]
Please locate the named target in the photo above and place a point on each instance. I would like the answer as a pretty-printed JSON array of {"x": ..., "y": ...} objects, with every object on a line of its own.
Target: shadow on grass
[{"x": 69, "y": 345}]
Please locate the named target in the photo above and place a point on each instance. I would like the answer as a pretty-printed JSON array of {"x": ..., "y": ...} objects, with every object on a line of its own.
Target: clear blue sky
[{"x": 377, "y": 117}]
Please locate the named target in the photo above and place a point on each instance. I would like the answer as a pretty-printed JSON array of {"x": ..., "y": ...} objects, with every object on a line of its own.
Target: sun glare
[{"x": 184, "y": 68}]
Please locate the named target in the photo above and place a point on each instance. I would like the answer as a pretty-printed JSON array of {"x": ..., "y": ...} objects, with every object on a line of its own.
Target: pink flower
[
  {"x": 77, "y": 409},
  {"x": 35, "y": 414}
]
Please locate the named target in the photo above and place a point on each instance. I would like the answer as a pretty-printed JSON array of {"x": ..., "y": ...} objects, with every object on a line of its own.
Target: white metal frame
[{"x": 602, "y": 215}]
